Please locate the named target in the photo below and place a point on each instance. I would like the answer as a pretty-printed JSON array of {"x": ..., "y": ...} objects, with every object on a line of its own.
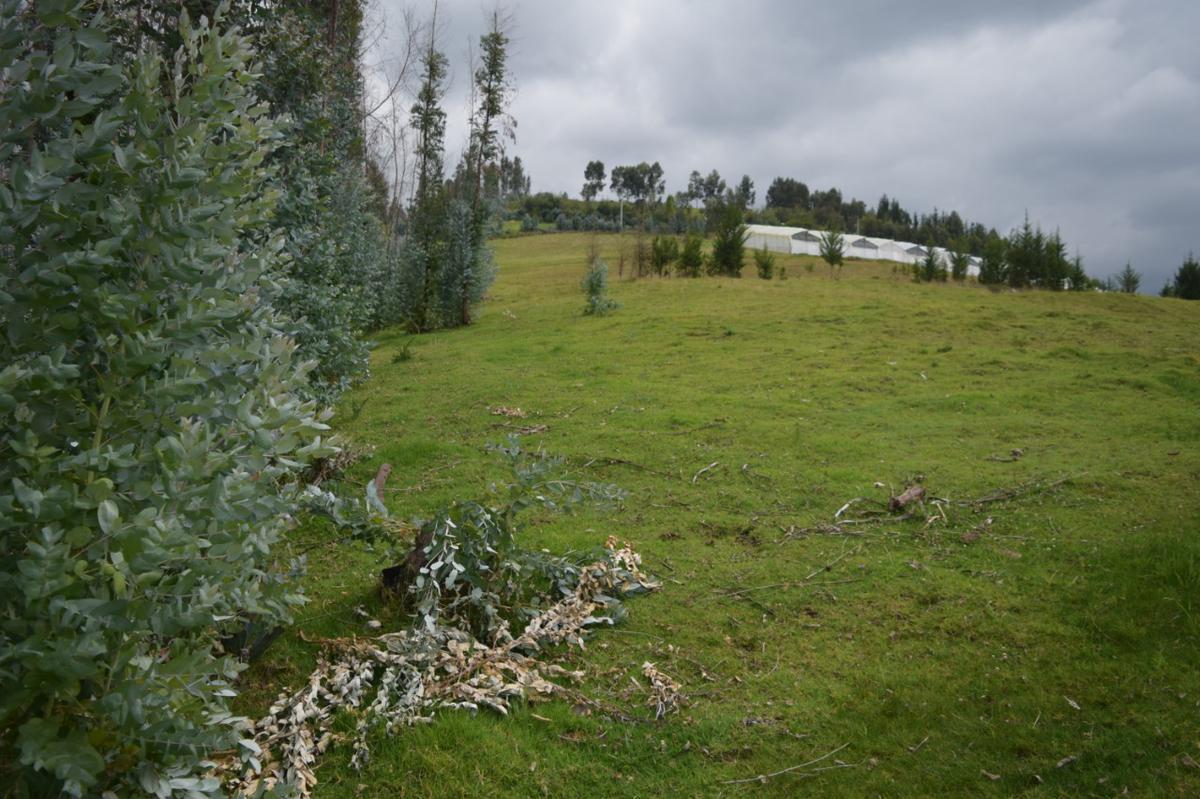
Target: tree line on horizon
[{"x": 1027, "y": 256}]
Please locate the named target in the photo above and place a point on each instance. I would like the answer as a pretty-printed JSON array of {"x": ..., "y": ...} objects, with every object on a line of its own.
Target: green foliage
[
  {"x": 691, "y": 256},
  {"x": 832, "y": 248},
  {"x": 764, "y": 262},
  {"x": 467, "y": 268},
  {"x": 664, "y": 251},
  {"x": 595, "y": 289},
  {"x": 641, "y": 183},
  {"x": 931, "y": 269},
  {"x": 476, "y": 574},
  {"x": 994, "y": 268},
  {"x": 1186, "y": 285},
  {"x": 1128, "y": 280},
  {"x": 959, "y": 261},
  {"x": 335, "y": 278},
  {"x": 729, "y": 242},
  {"x": 593, "y": 180},
  {"x": 1077, "y": 277},
  {"x": 150, "y": 426}
]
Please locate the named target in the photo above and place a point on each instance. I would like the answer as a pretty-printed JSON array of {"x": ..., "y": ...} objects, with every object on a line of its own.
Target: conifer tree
[
  {"x": 833, "y": 248},
  {"x": 1129, "y": 280},
  {"x": 1186, "y": 284}
]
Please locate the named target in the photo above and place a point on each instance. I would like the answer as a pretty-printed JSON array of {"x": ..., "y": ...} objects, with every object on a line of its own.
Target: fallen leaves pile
[{"x": 400, "y": 679}]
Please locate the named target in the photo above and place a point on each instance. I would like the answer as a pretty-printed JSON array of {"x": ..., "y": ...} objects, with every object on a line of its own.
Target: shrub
[
  {"x": 993, "y": 271},
  {"x": 959, "y": 261},
  {"x": 931, "y": 268},
  {"x": 764, "y": 261},
  {"x": 467, "y": 268},
  {"x": 729, "y": 241},
  {"x": 833, "y": 247},
  {"x": 641, "y": 256},
  {"x": 691, "y": 257},
  {"x": 595, "y": 288},
  {"x": 148, "y": 426},
  {"x": 664, "y": 251}
]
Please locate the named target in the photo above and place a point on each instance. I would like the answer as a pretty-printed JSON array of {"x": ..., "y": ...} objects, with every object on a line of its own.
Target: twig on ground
[
  {"x": 749, "y": 474},
  {"x": 765, "y": 777},
  {"x": 1017, "y": 491},
  {"x": 832, "y": 563},
  {"x": 709, "y": 467},
  {"x": 630, "y": 464}
]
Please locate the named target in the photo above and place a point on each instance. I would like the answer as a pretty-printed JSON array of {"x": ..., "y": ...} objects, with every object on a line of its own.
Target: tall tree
[
  {"x": 493, "y": 91},
  {"x": 428, "y": 208},
  {"x": 593, "y": 180},
  {"x": 993, "y": 270},
  {"x": 787, "y": 193},
  {"x": 744, "y": 193},
  {"x": 151, "y": 431}
]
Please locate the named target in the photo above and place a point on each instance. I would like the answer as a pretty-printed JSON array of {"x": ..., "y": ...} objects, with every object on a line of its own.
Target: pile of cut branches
[{"x": 401, "y": 678}]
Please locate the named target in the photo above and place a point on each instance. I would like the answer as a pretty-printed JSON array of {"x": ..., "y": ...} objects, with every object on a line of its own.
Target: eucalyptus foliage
[
  {"x": 476, "y": 575},
  {"x": 595, "y": 289},
  {"x": 467, "y": 269},
  {"x": 338, "y": 264},
  {"x": 148, "y": 422}
]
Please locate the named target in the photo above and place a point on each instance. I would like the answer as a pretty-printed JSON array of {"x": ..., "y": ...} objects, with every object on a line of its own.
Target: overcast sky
[{"x": 1085, "y": 113}]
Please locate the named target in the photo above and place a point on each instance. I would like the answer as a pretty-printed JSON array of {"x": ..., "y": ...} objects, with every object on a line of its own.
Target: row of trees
[
  {"x": 1027, "y": 257},
  {"x": 195, "y": 230}
]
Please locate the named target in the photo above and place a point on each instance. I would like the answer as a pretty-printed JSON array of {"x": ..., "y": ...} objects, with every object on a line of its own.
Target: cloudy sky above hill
[{"x": 1085, "y": 113}]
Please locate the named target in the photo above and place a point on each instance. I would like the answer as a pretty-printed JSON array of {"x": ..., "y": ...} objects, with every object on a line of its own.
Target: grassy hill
[{"x": 1043, "y": 644}]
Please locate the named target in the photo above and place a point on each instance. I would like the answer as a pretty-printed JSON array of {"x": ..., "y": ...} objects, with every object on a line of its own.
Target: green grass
[{"x": 934, "y": 660}]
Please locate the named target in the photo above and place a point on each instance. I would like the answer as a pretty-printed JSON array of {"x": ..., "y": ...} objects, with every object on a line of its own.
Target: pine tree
[
  {"x": 1129, "y": 280},
  {"x": 1186, "y": 285},
  {"x": 959, "y": 261},
  {"x": 833, "y": 248},
  {"x": 993, "y": 270}
]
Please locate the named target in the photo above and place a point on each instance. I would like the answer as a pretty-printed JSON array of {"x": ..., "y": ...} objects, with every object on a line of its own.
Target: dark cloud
[{"x": 1085, "y": 113}]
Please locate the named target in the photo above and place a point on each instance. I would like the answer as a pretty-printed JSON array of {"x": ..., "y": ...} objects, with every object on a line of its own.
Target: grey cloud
[{"x": 1084, "y": 112}]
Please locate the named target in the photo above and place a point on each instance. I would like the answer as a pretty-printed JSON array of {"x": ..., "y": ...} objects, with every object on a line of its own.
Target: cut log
[
  {"x": 396, "y": 579},
  {"x": 911, "y": 494}
]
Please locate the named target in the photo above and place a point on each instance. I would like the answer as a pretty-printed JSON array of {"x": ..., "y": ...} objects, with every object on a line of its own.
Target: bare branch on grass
[{"x": 792, "y": 769}]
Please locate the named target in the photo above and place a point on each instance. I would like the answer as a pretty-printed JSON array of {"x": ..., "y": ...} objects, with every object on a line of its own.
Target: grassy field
[{"x": 1050, "y": 652}]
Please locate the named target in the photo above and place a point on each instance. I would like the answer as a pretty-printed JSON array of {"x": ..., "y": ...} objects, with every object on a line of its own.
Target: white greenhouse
[
  {"x": 806, "y": 242},
  {"x": 775, "y": 239},
  {"x": 802, "y": 241}
]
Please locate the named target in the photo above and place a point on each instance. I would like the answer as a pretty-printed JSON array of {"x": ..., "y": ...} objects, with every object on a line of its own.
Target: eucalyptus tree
[
  {"x": 593, "y": 180},
  {"x": 469, "y": 271},
  {"x": 150, "y": 431},
  {"x": 422, "y": 255}
]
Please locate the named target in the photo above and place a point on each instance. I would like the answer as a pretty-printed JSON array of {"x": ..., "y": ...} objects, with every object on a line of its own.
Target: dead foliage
[{"x": 402, "y": 678}]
